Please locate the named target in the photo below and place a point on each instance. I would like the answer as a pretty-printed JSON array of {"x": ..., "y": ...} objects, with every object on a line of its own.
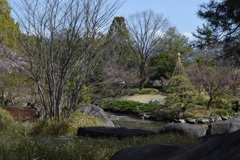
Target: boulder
[
  {"x": 119, "y": 132},
  {"x": 223, "y": 127},
  {"x": 157, "y": 101},
  {"x": 184, "y": 129},
  {"x": 237, "y": 120},
  {"x": 219, "y": 148},
  {"x": 97, "y": 112},
  {"x": 144, "y": 152}
]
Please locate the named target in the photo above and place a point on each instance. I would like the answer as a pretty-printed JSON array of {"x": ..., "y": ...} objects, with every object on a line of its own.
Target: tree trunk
[
  {"x": 209, "y": 103},
  {"x": 142, "y": 76}
]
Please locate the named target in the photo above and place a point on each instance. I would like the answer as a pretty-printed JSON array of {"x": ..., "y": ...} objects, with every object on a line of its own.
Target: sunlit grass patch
[{"x": 86, "y": 149}]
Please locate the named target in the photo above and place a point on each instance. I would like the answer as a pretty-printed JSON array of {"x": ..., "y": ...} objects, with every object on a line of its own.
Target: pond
[{"x": 134, "y": 122}]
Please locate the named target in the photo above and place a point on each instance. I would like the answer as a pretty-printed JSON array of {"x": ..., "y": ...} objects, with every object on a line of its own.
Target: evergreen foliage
[
  {"x": 181, "y": 92},
  {"x": 223, "y": 25},
  {"x": 123, "y": 105}
]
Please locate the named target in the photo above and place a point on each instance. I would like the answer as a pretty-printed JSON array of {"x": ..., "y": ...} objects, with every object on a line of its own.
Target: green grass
[
  {"x": 21, "y": 142},
  {"x": 145, "y": 98},
  {"x": 85, "y": 149}
]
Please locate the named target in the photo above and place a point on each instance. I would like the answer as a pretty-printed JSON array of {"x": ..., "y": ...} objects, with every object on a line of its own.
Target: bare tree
[
  {"x": 62, "y": 48},
  {"x": 117, "y": 78},
  {"x": 146, "y": 29},
  {"x": 215, "y": 82}
]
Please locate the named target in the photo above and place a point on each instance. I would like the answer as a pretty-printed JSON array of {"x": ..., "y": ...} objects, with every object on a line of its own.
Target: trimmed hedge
[{"x": 123, "y": 105}]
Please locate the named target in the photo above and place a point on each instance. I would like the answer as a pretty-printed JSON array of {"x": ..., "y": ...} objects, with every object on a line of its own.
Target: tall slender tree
[{"x": 146, "y": 29}]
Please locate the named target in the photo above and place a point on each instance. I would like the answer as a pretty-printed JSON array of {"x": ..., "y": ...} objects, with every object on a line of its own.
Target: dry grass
[{"x": 145, "y": 98}]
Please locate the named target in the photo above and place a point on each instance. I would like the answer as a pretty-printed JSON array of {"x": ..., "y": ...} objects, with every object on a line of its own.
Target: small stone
[
  {"x": 202, "y": 120},
  {"x": 157, "y": 101},
  {"x": 190, "y": 120}
]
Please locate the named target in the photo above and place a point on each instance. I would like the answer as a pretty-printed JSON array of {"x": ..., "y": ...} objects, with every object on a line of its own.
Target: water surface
[{"x": 134, "y": 122}]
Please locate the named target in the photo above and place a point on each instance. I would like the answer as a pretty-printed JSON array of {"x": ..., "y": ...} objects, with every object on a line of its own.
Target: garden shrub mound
[
  {"x": 128, "y": 106},
  {"x": 46, "y": 127}
]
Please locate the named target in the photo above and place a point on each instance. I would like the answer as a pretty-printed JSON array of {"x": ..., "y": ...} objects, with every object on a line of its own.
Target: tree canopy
[
  {"x": 8, "y": 28},
  {"x": 223, "y": 19}
]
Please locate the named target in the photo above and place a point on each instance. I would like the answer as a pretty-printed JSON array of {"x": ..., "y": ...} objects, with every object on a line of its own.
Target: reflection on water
[{"x": 135, "y": 122}]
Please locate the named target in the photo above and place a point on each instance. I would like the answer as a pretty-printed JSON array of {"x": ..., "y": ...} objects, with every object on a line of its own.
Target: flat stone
[{"x": 119, "y": 132}]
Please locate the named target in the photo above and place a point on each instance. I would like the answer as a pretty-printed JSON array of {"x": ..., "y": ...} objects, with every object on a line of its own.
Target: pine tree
[
  {"x": 223, "y": 18},
  {"x": 181, "y": 91}
]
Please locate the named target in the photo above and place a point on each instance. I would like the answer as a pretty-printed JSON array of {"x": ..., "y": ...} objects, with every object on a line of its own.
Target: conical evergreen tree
[
  {"x": 181, "y": 92},
  {"x": 179, "y": 71}
]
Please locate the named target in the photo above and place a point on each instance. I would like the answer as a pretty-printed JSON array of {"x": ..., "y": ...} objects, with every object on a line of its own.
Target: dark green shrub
[
  {"x": 235, "y": 105},
  {"x": 123, "y": 105},
  {"x": 148, "y": 91},
  {"x": 146, "y": 107},
  {"x": 164, "y": 115},
  {"x": 130, "y": 91}
]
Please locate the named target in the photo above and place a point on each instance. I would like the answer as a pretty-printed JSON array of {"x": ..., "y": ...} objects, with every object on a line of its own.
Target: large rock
[
  {"x": 97, "y": 112},
  {"x": 184, "y": 129},
  {"x": 119, "y": 132},
  {"x": 222, "y": 148},
  {"x": 223, "y": 127},
  {"x": 144, "y": 152}
]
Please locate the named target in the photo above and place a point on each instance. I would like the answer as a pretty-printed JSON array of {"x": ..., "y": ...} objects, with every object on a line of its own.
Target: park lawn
[{"x": 145, "y": 98}]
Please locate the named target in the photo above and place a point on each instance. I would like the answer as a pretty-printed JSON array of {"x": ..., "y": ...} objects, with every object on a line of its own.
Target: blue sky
[{"x": 180, "y": 13}]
